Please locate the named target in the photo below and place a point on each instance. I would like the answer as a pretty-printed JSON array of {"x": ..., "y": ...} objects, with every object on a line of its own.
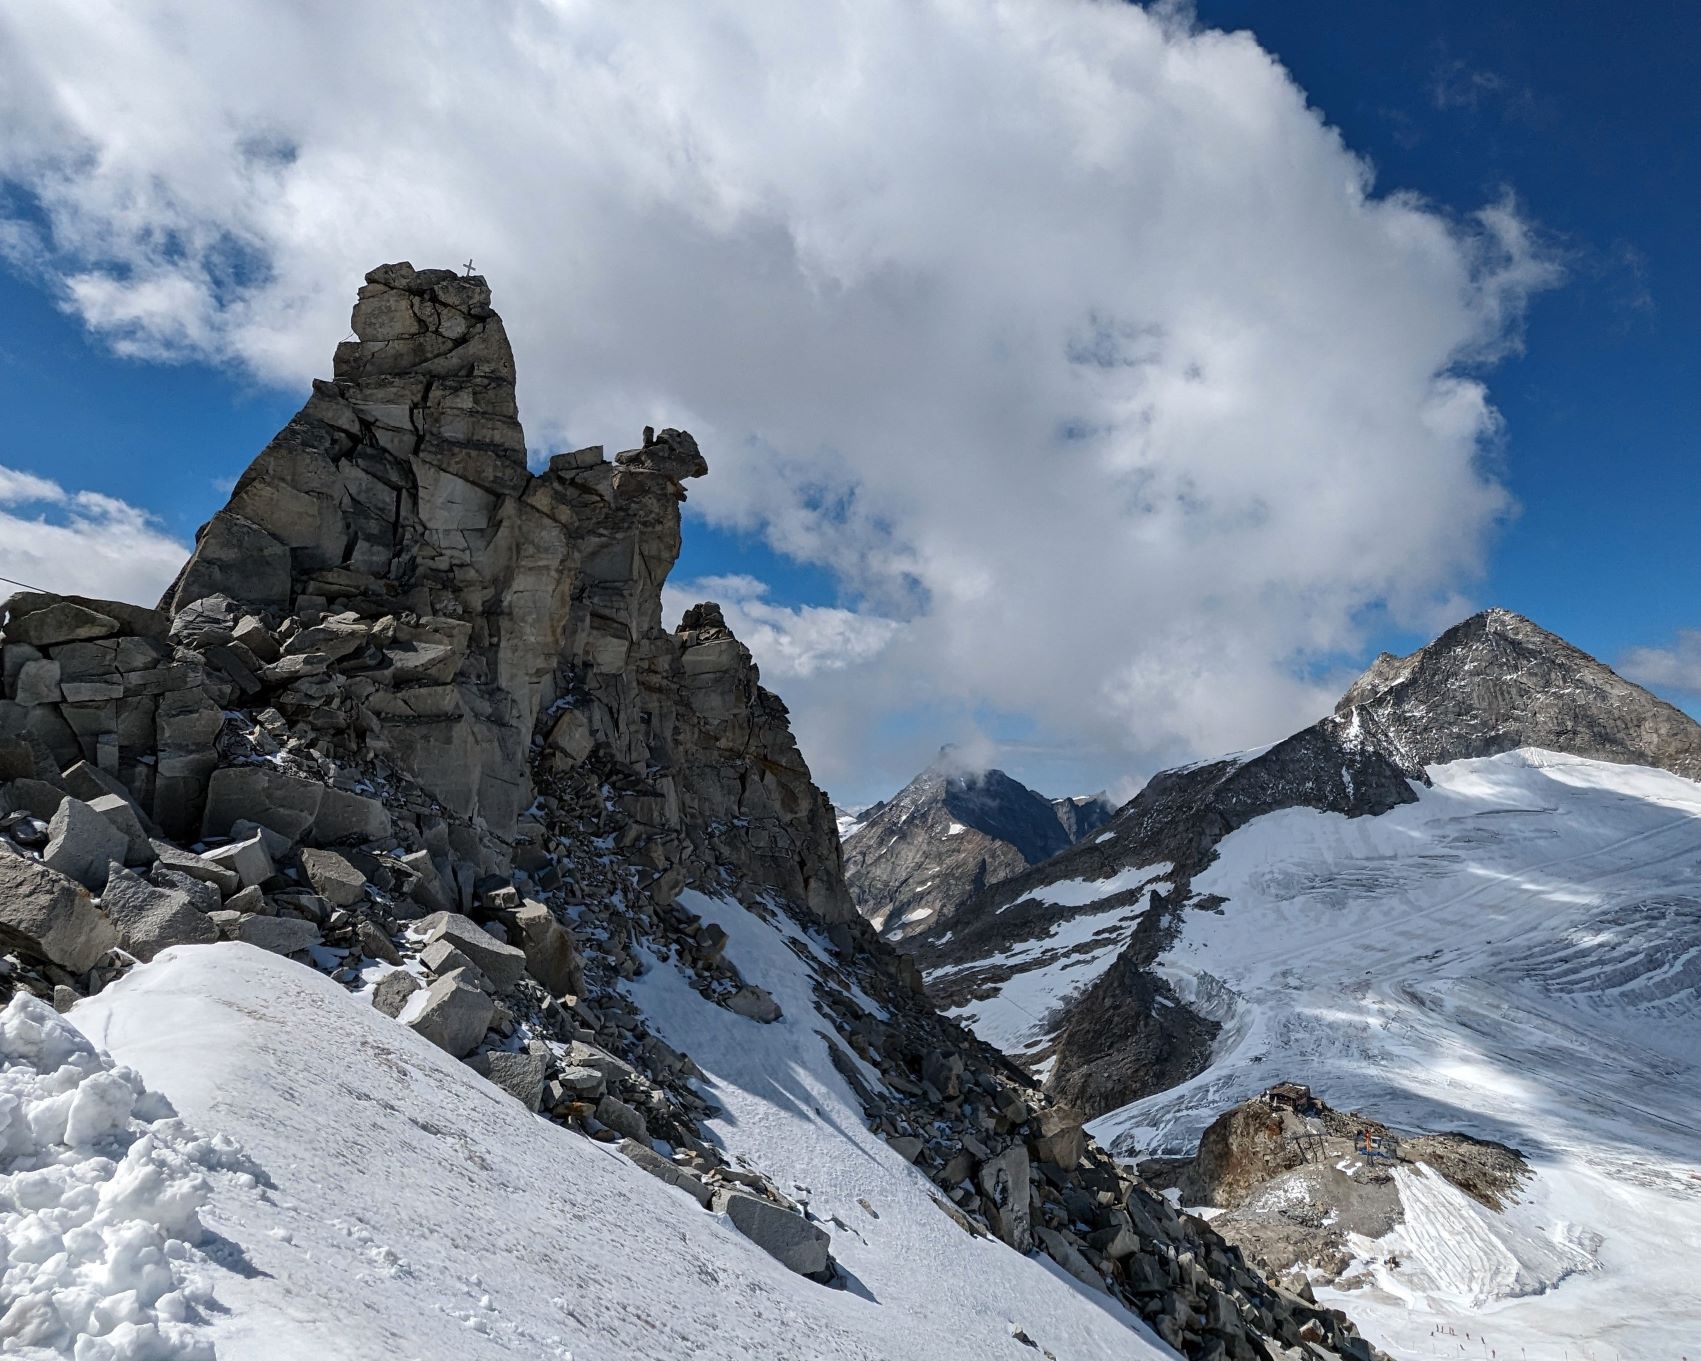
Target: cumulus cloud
[
  {"x": 1068, "y": 335},
  {"x": 1676, "y": 668},
  {"x": 81, "y": 543},
  {"x": 790, "y": 641}
]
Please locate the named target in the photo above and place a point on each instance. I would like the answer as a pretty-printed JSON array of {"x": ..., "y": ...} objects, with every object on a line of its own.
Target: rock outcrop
[
  {"x": 949, "y": 834},
  {"x": 409, "y": 715}
]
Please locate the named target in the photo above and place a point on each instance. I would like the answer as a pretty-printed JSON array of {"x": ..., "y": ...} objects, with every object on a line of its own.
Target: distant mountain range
[
  {"x": 949, "y": 834},
  {"x": 1466, "y": 905}
]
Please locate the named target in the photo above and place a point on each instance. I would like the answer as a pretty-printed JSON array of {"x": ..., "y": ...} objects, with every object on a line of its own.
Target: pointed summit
[
  {"x": 1497, "y": 682},
  {"x": 950, "y": 832}
]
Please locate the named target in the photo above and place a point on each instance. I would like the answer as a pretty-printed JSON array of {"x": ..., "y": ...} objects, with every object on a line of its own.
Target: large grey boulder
[
  {"x": 285, "y": 803},
  {"x": 390, "y": 994},
  {"x": 248, "y": 860},
  {"x": 1004, "y": 1189},
  {"x": 82, "y": 844},
  {"x": 503, "y": 964},
  {"x": 347, "y": 818},
  {"x": 657, "y": 1166},
  {"x": 47, "y": 915},
  {"x": 150, "y": 919},
  {"x": 624, "y": 1120},
  {"x": 280, "y": 935},
  {"x": 551, "y": 956},
  {"x": 333, "y": 877},
  {"x": 226, "y": 880},
  {"x": 121, "y": 813},
  {"x": 453, "y": 1015},
  {"x": 788, "y": 1238},
  {"x": 61, "y": 622},
  {"x": 518, "y": 1074}
]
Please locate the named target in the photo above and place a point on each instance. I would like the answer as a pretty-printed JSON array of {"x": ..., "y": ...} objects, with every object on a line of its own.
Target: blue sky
[
  {"x": 887, "y": 626},
  {"x": 1591, "y": 115}
]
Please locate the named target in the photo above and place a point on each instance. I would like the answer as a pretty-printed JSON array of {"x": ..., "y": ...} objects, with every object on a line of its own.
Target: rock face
[
  {"x": 1490, "y": 684},
  {"x": 1295, "y": 1178},
  {"x": 949, "y": 834}
]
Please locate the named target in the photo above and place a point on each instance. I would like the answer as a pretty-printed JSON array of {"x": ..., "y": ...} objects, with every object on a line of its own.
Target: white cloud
[
  {"x": 1675, "y": 668},
  {"x": 81, "y": 543},
  {"x": 789, "y": 642},
  {"x": 1067, "y": 335}
]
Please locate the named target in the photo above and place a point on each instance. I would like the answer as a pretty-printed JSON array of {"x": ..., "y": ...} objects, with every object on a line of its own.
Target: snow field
[
  {"x": 407, "y": 1208},
  {"x": 1516, "y": 956}
]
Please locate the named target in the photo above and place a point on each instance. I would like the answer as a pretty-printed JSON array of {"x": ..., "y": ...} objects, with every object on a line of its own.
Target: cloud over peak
[{"x": 1068, "y": 335}]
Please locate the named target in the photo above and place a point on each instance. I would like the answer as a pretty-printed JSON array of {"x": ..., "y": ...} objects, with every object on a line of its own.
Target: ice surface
[{"x": 1518, "y": 956}]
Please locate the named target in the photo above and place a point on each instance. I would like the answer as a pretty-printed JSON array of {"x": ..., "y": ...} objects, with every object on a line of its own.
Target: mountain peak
[{"x": 1497, "y": 681}]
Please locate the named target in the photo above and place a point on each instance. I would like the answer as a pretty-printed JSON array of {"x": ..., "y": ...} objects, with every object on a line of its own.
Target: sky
[{"x": 1091, "y": 386}]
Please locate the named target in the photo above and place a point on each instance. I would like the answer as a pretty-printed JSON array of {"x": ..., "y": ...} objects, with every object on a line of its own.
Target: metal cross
[{"x": 468, "y": 274}]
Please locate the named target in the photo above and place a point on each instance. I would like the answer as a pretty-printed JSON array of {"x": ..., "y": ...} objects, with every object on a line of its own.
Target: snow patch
[{"x": 101, "y": 1188}]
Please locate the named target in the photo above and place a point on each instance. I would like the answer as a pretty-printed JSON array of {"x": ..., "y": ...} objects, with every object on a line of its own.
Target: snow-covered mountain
[
  {"x": 1468, "y": 901},
  {"x": 913, "y": 860}
]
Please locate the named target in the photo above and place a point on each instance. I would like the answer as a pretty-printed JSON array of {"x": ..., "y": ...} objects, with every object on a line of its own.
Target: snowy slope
[
  {"x": 1517, "y": 955},
  {"x": 408, "y": 1209}
]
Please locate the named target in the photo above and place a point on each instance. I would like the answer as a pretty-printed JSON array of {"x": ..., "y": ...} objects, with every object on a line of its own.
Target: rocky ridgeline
[{"x": 409, "y": 716}]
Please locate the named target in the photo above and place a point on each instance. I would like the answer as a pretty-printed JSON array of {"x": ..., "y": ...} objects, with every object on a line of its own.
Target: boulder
[
  {"x": 518, "y": 1074},
  {"x": 503, "y": 964},
  {"x": 756, "y": 1003},
  {"x": 61, "y": 622},
  {"x": 441, "y": 958},
  {"x": 333, "y": 878},
  {"x": 1069, "y": 1257},
  {"x": 584, "y": 1084},
  {"x": 453, "y": 1014},
  {"x": 551, "y": 956},
  {"x": 622, "y": 1119},
  {"x": 285, "y": 803},
  {"x": 121, "y": 813},
  {"x": 1060, "y": 1141},
  {"x": 1004, "y": 1189},
  {"x": 392, "y": 991},
  {"x": 221, "y": 877},
  {"x": 37, "y": 683},
  {"x": 151, "y": 919},
  {"x": 280, "y": 935},
  {"x": 657, "y": 1166},
  {"x": 582, "y": 1055},
  {"x": 788, "y": 1238},
  {"x": 346, "y": 818},
  {"x": 376, "y": 944},
  {"x": 249, "y": 860},
  {"x": 82, "y": 844},
  {"x": 426, "y": 888},
  {"x": 49, "y": 916}
]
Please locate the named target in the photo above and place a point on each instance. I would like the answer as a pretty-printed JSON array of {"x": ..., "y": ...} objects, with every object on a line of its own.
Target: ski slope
[
  {"x": 1517, "y": 956},
  {"x": 385, "y": 1201}
]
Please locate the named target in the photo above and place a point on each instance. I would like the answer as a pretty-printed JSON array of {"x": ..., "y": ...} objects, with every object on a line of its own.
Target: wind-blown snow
[
  {"x": 1518, "y": 956},
  {"x": 413, "y": 1210},
  {"x": 100, "y": 1188}
]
